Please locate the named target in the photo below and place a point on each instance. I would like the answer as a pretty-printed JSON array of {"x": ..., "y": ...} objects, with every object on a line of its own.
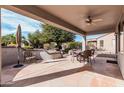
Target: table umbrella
[{"x": 18, "y": 42}]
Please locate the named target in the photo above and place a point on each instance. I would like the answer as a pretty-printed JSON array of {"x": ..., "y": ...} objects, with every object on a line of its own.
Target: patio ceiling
[
  {"x": 72, "y": 17},
  {"x": 76, "y": 15}
]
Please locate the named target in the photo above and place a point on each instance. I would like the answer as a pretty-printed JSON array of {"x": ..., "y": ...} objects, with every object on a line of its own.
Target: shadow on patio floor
[{"x": 38, "y": 79}]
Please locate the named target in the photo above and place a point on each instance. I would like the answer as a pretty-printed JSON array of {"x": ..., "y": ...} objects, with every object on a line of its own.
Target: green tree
[
  {"x": 54, "y": 34},
  {"x": 25, "y": 41},
  {"x": 7, "y": 39},
  {"x": 35, "y": 39},
  {"x": 74, "y": 45}
]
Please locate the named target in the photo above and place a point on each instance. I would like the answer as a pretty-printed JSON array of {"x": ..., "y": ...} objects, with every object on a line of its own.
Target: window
[{"x": 101, "y": 43}]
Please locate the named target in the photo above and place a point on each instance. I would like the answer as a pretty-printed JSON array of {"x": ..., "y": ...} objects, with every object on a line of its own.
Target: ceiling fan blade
[
  {"x": 93, "y": 23},
  {"x": 88, "y": 24},
  {"x": 97, "y": 20}
]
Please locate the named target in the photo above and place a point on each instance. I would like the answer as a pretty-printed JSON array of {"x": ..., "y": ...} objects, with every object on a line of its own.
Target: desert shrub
[
  {"x": 27, "y": 47},
  {"x": 12, "y": 44},
  {"x": 74, "y": 45},
  {"x": 67, "y": 50},
  {"x": 46, "y": 46},
  {"x": 52, "y": 45}
]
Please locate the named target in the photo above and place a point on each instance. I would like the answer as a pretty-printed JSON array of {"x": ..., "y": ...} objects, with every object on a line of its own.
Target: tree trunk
[{"x": 58, "y": 46}]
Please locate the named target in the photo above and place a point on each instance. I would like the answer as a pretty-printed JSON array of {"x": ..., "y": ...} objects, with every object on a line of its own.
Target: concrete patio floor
[{"x": 63, "y": 73}]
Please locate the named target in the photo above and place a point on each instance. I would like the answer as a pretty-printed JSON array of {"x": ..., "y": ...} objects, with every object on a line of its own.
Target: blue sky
[{"x": 10, "y": 21}]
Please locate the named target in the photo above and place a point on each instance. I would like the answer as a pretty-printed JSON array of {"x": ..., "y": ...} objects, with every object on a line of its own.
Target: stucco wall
[
  {"x": 9, "y": 56},
  {"x": 121, "y": 62},
  {"x": 109, "y": 45},
  {"x": 41, "y": 54}
]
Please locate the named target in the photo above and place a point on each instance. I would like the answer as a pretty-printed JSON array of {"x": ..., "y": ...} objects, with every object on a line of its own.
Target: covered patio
[
  {"x": 79, "y": 20},
  {"x": 63, "y": 73}
]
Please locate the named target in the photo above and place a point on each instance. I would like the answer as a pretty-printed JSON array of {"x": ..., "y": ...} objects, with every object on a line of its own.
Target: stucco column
[
  {"x": 123, "y": 39},
  {"x": 116, "y": 43},
  {"x": 120, "y": 28},
  {"x": 118, "y": 38},
  {"x": 0, "y": 49},
  {"x": 84, "y": 43}
]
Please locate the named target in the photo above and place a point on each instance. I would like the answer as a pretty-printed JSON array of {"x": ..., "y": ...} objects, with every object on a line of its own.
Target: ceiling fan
[{"x": 89, "y": 20}]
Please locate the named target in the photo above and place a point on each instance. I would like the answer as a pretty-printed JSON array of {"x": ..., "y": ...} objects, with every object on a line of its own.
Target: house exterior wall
[
  {"x": 108, "y": 43},
  {"x": 121, "y": 62},
  {"x": 121, "y": 54}
]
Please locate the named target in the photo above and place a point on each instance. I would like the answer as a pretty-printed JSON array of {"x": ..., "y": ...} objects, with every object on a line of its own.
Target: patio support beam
[
  {"x": 120, "y": 28},
  {"x": 118, "y": 46},
  {"x": 116, "y": 40},
  {"x": 40, "y": 14},
  {"x": 84, "y": 43},
  {"x": 102, "y": 31}
]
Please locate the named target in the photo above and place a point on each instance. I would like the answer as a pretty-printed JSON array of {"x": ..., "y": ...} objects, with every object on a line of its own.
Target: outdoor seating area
[
  {"x": 57, "y": 72},
  {"x": 82, "y": 56}
]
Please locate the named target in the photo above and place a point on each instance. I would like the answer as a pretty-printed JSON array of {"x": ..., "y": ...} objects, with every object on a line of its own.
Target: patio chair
[
  {"x": 84, "y": 56},
  {"x": 28, "y": 56},
  {"x": 87, "y": 56},
  {"x": 80, "y": 57},
  {"x": 92, "y": 54},
  {"x": 72, "y": 54}
]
